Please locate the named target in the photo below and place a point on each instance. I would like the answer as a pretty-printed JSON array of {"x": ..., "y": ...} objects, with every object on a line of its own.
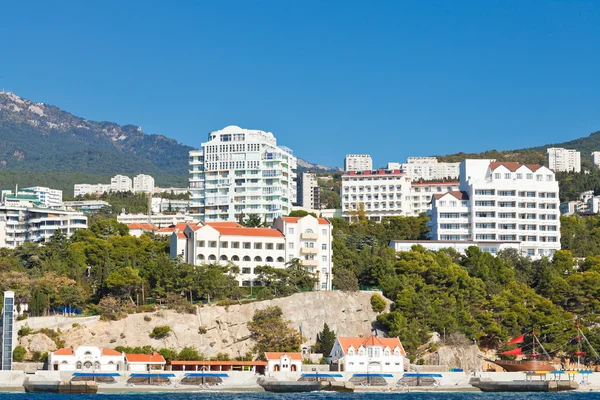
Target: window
[
  {"x": 235, "y": 245},
  {"x": 280, "y": 259},
  {"x": 484, "y": 192},
  {"x": 269, "y": 259},
  {"x": 324, "y": 258},
  {"x": 497, "y": 175},
  {"x": 519, "y": 175},
  {"x": 269, "y": 246},
  {"x": 324, "y": 231},
  {"x": 246, "y": 258},
  {"x": 247, "y": 245},
  {"x": 529, "y": 176},
  {"x": 507, "y": 175},
  {"x": 324, "y": 246},
  {"x": 224, "y": 245},
  {"x": 539, "y": 178},
  {"x": 223, "y": 257},
  {"x": 257, "y": 259},
  {"x": 290, "y": 231},
  {"x": 235, "y": 258},
  {"x": 257, "y": 246},
  {"x": 246, "y": 270},
  {"x": 201, "y": 243},
  {"x": 291, "y": 245}
]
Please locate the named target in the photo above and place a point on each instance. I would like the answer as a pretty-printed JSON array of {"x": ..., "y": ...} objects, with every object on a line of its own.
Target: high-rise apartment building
[
  {"x": 7, "y": 333},
  {"x": 500, "y": 202},
  {"x": 143, "y": 183},
  {"x": 308, "y": 191},
  {"x": 358, "y": 162},
  {"x": 596, "y": 158},
  {"x": 121, "y": 183},
  {"x": 240, "y": 172},
  {"x": 427, "y": 168},
  {"x": 48, "y": 197},
  {"x": 563, "y": 160}
]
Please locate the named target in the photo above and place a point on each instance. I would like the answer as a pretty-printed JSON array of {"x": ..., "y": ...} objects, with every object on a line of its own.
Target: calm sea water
[{"x": 307, "y": 396}]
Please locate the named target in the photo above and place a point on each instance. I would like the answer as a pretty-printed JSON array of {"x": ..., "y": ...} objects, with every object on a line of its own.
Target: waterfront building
[
  {"x": 308, "y": 195},
  {"x": 283, "y": 362},
  {"x": 121, "y": 183},
  {"x": 563, "y": 160},
  {"x": 86, "y": 359},
  {"x": 307, "y": 239},
  {"x": 369, "y": 355},
  {"x": 7, "y": 334},
  {"x": 375, "y": 194},
  {"x": 143, "y": 183},
  {"x": 358, "y": 162},
  {"x": 240, "y": 172},
  {"x": 52, "y": 198},
  {"x": 144, "y": 362},
  {"x": 500, "y": 202}
]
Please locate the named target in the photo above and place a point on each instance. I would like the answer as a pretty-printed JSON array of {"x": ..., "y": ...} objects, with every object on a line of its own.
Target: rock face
[
  {"x": 466, "y": 357},
  {"x": 38, "y": 342},
  {"x": 348, "y": 314}
]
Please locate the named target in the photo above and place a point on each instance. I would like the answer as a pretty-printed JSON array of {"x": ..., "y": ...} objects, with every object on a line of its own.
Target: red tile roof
[
  {"x": 322, "y": 221},
  {"x": 181, "y": 235},
  {"x": 372, "y": 340},
  {"x": 65, "y": 351},
  {"x": 179, "y": 227},
  {"x": 270, "y": 355},
  {"x": 248, "y": 231},
  {"x": 111, "y": 352},
  {"x": 144, "y": 227},
  {"x": 456, "y": 193},
  {"x": 145, "y": 358},
  {"x": 513, "y": 165}
]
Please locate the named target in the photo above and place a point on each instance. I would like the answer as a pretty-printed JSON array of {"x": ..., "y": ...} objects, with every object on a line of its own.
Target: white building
[
  {"x": 121, "y": 183},
  {"x": 240, "y": 172},
  {"x": 7, "y": 332},
  {"x": 34, "y": 224},
  {"x": 307, "y": 239},
  {"x": 81, "y": 189},
  {"x": 427, "y": 168},
  {"x": 383, "y": 193},
  {"x": 421, "y": 194},
  {"x": 369, "y": 355},
  {"x": 86, "y": 206},
  {"x": 172, "y": 190},
  {"x": 492, "y": 247},
  {"x": 143, "y": 183},
  {"x": 563, "y": 160},
  {"x": 160, "y": 205},
  {"x": 308, "y": 191},
  {"x": 138, "y": 230},
  {"x": 500, "y": 202},
  {"x": 144, "y": 362},
  {"x": 596, "y": 158},
  {"x": 49, "y": 197},
  {"x": 160, "y": 220},
  {"x": 283, "y": 362},
  {"x": 86, "y": 359},
  {"x": 358, "y": 162}
]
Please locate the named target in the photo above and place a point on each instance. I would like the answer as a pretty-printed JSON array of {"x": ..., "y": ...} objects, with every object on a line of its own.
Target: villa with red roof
[
  {"x": 307, "y": 239},
  {"x": 144, "y": 362},
  {"x": 86, "y": 359},
  {"x": 368, "y": 355},
  {"x": 285, "y": 362}
]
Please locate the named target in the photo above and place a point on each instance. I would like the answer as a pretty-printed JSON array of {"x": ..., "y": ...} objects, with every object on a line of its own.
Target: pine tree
[{"x": 325, "y": 341}]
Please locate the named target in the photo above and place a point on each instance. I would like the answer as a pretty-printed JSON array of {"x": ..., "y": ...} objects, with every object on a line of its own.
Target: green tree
[
  {"x": 252, "y": 221},
  {"x": 271, "y": 333},
  {"x": 378, "y": 303},
  {"x": 325, "y": 341}
]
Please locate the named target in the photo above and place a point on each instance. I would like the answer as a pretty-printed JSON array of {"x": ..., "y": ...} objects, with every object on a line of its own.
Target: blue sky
[{"x": 390, "y": 78}]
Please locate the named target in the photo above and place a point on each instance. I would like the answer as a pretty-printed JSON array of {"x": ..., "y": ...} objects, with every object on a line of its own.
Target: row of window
[
  {"x": 492, "y": 236},
  {"x": 518, "y": 175},
  {"x": 491, "y": 192},
  {"x": 212, "y": 257}
]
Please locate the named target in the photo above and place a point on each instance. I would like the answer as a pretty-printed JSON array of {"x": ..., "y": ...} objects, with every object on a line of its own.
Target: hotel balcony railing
[
  {"x": 308, "y": 250},
  {"x": 309, "y": 236},
  {"x": 309, "y": 263}
]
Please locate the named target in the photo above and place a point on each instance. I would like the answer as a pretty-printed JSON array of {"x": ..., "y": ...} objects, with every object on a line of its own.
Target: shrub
[
  {"x": 378, "y": 303},
  {"x": 168, "y": 354},
  {"x": 54, "y": 335},
  {"x": 38, "y": 356},
  {"x": 19, "y": 354},
  {"x": 265, "y": 294},
  {"x": 227, "y": 302},
  {"x": 22, "y": 316},
  {"x": 160, "y": 332},
  {"x": 147, "y": 318},
  {"x": 24, "y": 331},
  {"x": 190, "y": 354},
  {"x": 202, "y": 330},
  {"x": 75, "y": 325}
]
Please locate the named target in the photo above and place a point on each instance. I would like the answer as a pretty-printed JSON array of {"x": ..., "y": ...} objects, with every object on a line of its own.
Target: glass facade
[{"x": 7, "y": 319}]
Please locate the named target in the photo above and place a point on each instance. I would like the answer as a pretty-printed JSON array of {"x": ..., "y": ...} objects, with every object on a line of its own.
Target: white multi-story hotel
[
  {"x": 427, "y": 168},
  {"x": 358, "y": 162},
  {"x": 307, "y": 238},
  {"x": 81, "y": 189},
  {"x": 379, "y": 194},
  {"x": 500, "y": 202},
  {"x": 596, "y": 158},
  {"x": 421, "y": 194},
  {"x": 308, "y": 195},
  {"x": 563, "y": 160},
  {"x": 240, "y": 172},
  {"x": 48, "y": 197},
  {"x": 121, "y": 183},
  {"x": 143, "y": 183}
]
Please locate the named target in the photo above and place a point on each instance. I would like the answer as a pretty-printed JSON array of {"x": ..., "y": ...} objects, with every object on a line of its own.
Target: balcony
[
  {"x": 309, "y": 263},
  {"x": 309, "y": 236},
  {"x": 308, "y": 250}
]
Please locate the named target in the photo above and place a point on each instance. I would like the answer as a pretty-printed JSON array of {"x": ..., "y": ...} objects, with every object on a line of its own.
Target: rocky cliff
[{"x": 348, "y": 314}]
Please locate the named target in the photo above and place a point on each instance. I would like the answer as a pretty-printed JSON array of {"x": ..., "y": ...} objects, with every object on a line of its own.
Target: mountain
[{"x": 308, "y": 166}]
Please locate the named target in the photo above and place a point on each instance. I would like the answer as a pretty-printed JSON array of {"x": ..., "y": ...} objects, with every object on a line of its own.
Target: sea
[{"x": 305, "y": 396}]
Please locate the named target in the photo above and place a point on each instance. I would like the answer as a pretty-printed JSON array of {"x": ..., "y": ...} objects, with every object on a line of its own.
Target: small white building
[
  {"x": 86, "y": 359},
  {"x": 286, "y": 362},
  {"x": 138, "y": 230},
  {"x": 369, "y": 355},
  {"x": 144, "y": 362}
]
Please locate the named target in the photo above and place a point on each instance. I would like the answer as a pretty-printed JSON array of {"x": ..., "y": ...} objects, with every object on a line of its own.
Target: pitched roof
[
  {"x": 224, "y": 224},
  {"x": 271, "y": 355},
  {"x": 178, "y": 227},
  {"x": 111, "y": 352},
  {"x": 225, "y": 230},
  {"x": 181, "y": 235},
  {"x": 65, "y": 351},
  {"x": 356, "y": 342},
  {"x": 456, "y": 193},
  {"x": 144, "y": 227},
  {"x": 513, "y": 165},
  {"x": 145, "y": 358},
  {"x": 322, "y": 221}
]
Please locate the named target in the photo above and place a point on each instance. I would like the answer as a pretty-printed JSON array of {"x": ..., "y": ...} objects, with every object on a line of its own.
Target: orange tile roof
[
  {"x": 144, "y": 227},
  {"x": 533, "y": 167},
  {"x": 392, "y": 343},
  {"x": 111, "y": 352},
  {"x": 322, "y": 221},
  {"x": 271, "y": 355},
  {"x": 456, "y": 193},
  {"x": 513, "y": 165},
  {"x": 145, "y": 358},
  {"x": 181, "y": 235},
  {"x": 257, "y": 363},
  {"x": 224, "y": 224},
  {"x": 65, "y": 351},
  {"x": 226, "y": 230},
  {"x": 178, "y": 227}
]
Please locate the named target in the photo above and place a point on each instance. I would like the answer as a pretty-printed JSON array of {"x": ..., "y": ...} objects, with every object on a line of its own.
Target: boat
[
  {"x": 533, "y": 361},
  {"x": 272, "y": 385},
  {"x": 488, "y": 385}
]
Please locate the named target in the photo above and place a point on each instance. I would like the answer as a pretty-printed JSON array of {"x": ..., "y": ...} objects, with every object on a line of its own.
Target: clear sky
[{"x": 390, "y": 78}]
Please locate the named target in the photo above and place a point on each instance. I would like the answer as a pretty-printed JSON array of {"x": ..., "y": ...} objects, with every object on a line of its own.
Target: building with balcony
[
  {"x": 368, "y": 355},
  {"x": 160, "y": 220},
  {"x": 309, "y": 193},
  {"x": 375, "y": 194},
  {"x": 358, "y": 162},
  {"x": 563, "y": 160},
  {"x": 81, "y": 189},
  {"x": 500, "y": 202},
  {"x": 52, "y": 198},
  {"x": 143, "y": 183},
  {"x": 421, "y": 194},
  {"x": 307, "y": 239},
  {"x": 427, "y": 169},
  {"x": 240, "y": 172},
  {"x": 121, "y": 183}
]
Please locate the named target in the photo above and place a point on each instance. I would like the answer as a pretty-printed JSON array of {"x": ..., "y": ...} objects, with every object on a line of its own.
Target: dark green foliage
[
  {"x": 190, "y": 354},
  {"x": 168, "y": 354},
  {"x": 19, "y": 354},
  {"x": 160, "y": 332},
  {"x": 135, "y": 350},
  {"x": 271, "y": 333},
  {"x": 252, "y": 221},
  {"x": 325, "y": 341},
  {"x": 378, "y": 303}
]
